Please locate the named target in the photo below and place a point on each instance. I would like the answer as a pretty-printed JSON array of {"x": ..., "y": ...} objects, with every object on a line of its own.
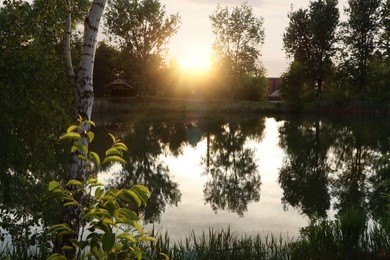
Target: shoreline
[{"x": 153, "y": 105}]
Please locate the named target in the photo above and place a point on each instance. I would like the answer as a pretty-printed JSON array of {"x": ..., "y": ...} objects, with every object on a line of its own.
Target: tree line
[
  {"x": 136, "y": 49},
  {"x": 338, "y": 60}
]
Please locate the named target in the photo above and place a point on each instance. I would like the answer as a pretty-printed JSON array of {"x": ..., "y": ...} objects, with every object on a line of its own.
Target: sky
[
  {"x": 194, "y": 38},
  {"x": 192, "y": 43}
]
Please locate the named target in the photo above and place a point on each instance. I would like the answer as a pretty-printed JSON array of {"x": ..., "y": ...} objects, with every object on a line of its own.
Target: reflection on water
[{"x": 255, "y": 174}]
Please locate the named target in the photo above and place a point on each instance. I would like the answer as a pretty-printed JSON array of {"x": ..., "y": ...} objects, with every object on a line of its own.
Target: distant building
[
  {"x": 273, "y": 89},
  {"x": 119, "y": 88}
]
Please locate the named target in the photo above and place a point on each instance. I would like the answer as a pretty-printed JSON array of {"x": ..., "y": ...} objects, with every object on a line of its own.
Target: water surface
[{"x": 254, "y": 174}]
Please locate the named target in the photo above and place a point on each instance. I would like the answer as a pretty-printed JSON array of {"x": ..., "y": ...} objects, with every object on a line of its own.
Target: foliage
[
  {"x": 36, "y": 101},
  {"x": 252, "y": 88},
  {"x": 239, "y": 35},
  {"x": 109, "y": 217},
  {"x": 29, "y": 48},
  {"x": 322, "y": 239},
  {"x": 310, "y": 39},
  {"x": 293, "y": 86},
  {"x": 360, "y": 39},
  {"x": 108, "y": 66},
  {"x": 141, "y": 29}
]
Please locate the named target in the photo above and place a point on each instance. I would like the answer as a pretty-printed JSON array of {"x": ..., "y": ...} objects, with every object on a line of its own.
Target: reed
[
  {"x": 348, "y": 237},
  {"x": 320, "y": 240}
]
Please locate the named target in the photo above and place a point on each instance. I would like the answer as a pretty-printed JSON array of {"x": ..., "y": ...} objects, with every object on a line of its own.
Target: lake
[{"x": 254, "y": 174}]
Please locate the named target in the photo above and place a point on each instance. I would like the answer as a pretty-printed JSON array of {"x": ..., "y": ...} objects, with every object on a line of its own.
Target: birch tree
[{"x": 82, "y": 81}]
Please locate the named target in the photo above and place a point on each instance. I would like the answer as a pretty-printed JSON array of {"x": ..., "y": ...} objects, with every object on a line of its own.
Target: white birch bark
[{"x": 83, "y": 81}]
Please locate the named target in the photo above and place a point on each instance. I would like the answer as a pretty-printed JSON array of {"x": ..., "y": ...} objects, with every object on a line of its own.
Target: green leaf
[
  {"x": 67, "y": 248},
  {"x": 74, "y": 243},
  {"x": 117, "y": 247},
  {"x": 138, "y": 252},
  {"x": 96, "y": 184},
  {"x": 108, "y": 241},
  {"x": 113, "y": 158},
  {"x": 74, "y": 182},
  {"x": 79, "y": 118},
  {"x": 128, "y": 213},
  {"x": 127, "y": 236},
  {"x": 120, "y": 146},
  {"x": 91, "y": 136},
  {"x": 71, "y": 203},
  {"x": 92, "y": 180},
  {"x": 82, "y": 157},
  {"x": 111, "y": 207},
  {"x": 71, "y": 135},
  {"x": 71, "y": 128},
  {"x": 142, "y": 192},
  {"x": 164, "y": 255},
  {"x": 81, "y": 146},
  {"x": 98, "y": 253},
  {"x": 109, "y": 222},
  {"x": 53, "y": 185},
  {"x": 95, "y": 157},
  {"x": 99, "y": 192},
  {"x": 89, "y": 122},
  {"x": 114, "y": 151},
  {"x": 73, "y": 149},
  {"x": 130, "y": 196},
  {"x": 97, "y": 213},
  {"x": 60, "y": 228},
  {"x": 112, "y": 137}
]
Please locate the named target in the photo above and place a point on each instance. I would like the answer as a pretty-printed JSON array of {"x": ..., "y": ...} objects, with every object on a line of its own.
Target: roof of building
[
  {"x": 120, "y": 82},
  {"x": 275, "y": 94}
]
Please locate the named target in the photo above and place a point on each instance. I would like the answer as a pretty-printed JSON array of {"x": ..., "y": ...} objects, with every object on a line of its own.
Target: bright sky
[{"x": 194, "y": 39}]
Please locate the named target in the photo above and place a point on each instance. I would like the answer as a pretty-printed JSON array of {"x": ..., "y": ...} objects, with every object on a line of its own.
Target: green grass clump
[{"x": 345, "y": 238}]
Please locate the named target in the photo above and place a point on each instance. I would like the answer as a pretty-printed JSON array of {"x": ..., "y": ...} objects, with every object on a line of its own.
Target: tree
[
  {"x": 84, "y": 95},
  {"x": 310, "y": 39},
  {"x": 36, "y": 103},
  {"x": 141, "y": 29},
  {"x": 385, "y": 25},
  {"x": 107, "y": 67},
  {"x": 239, "y": 36},
  {"x": 360, "y": 33}
]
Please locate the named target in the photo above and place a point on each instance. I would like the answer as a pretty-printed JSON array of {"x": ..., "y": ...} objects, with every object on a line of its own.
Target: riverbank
[
  {"x": 157, "y": 105},
  {"x": 165, "y": 105}
]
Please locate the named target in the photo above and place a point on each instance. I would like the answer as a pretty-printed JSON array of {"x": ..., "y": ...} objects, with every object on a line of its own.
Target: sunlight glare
[{"x": 195, "y": 60}]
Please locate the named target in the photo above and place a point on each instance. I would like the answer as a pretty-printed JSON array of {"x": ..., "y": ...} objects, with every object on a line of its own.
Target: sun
[{"x": 195, "y": 60}]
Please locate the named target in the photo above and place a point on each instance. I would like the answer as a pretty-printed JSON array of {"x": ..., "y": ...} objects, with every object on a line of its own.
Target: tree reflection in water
[
  {"x": 345, "y": 162},
  {"x": 304, "y": 175},
  {"x": 235, "y": 179},
  {"x": 146, "y": 142}
]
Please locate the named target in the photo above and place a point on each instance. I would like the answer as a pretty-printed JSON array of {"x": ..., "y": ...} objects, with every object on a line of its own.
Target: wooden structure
[
  {"x": 119, "y": 88},
  {"x": 273, "y": 89}
]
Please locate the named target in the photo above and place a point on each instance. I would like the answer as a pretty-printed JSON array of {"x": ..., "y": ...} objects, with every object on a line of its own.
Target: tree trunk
[{"x": 83, "y": 83}]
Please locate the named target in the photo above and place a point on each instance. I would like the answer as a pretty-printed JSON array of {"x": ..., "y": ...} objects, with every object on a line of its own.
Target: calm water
[{"x": 258, "y": 174}]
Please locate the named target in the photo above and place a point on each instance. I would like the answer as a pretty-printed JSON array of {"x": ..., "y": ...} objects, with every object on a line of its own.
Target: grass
[
  {"x": 164, "y": 105},
  {"x": 345, "y": 238}
]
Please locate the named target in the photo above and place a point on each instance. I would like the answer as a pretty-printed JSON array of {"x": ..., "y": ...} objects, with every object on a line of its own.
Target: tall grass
[
  {"x": 348, "y": 237},
  {"x": 221, "y": 244},
  {"x": 345, "y": 238}
]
